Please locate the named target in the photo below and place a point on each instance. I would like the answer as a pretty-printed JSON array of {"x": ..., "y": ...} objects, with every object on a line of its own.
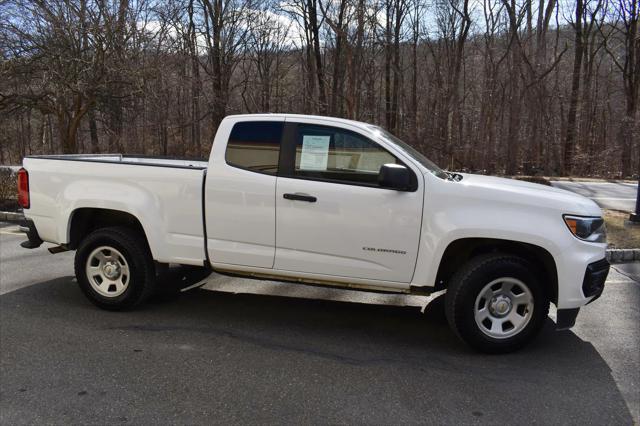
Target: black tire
[
  {"x": 134, "y": 249},
  {"x": 465, "y": 287}
]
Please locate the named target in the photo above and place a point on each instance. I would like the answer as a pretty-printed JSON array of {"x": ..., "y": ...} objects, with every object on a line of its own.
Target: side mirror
[{"x": 394, "y": 176}]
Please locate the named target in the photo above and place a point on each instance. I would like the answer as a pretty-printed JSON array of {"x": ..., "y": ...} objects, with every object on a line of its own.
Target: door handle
[{"x": 300, "y": 197}]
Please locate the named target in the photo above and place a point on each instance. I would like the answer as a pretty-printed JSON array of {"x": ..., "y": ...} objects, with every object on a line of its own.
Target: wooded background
[{"x": 495, "y": 86}]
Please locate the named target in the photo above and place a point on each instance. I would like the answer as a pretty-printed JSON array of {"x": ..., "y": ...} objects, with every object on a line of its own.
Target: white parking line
[{"x": 14, "y": 230}]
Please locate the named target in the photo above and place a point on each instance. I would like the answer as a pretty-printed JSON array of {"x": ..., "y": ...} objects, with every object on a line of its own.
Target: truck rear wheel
[
  {"x": 496, "y": 303},
  {"x": 114, "y": 268}
]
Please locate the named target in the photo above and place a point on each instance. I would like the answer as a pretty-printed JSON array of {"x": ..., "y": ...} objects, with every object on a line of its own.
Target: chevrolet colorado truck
[{"x": 324, "y": 201}]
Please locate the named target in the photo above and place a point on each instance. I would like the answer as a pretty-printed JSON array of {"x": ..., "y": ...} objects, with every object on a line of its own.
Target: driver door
[{"x": 332, "y": 217}]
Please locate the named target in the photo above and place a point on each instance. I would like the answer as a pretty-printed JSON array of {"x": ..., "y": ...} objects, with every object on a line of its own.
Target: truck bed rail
[{"x": 140, "y": 160}]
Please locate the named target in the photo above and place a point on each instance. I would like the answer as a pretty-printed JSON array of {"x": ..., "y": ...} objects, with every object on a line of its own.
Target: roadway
[
  {"x": 608, "y": 195},
  {"x": 252, "y": 352}
]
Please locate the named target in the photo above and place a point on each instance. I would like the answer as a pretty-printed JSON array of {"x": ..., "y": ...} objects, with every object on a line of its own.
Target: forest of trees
[{"x": 498, "y": 86}]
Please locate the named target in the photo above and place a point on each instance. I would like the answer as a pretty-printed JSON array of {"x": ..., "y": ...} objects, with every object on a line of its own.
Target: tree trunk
[
  {"x": 570, "y": 140},
  {"x": 93, "y": 132},
  {"x": 317, "y": 54},
  {"x": 387, "y": 66}
]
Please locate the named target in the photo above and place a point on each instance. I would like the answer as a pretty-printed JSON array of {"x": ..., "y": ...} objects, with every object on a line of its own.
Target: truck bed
[{"x": 164, "y": 195}]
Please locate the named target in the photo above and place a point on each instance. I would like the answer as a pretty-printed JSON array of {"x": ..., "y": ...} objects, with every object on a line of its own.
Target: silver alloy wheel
[
  {"x": 108, "y": 271},
  {"x": 503, "y": 308}
]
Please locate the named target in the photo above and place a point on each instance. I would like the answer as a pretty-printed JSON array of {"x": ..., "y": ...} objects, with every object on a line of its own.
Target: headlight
[{"x": 590, "y": 229}]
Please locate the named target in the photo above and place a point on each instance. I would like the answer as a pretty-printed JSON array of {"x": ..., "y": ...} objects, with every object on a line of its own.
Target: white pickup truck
[{"x": 324, "y": 201}]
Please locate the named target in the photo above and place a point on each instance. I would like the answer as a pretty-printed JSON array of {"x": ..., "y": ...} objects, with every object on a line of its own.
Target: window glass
[
  {"x": 413, "y": 153},
  {"x": 255, "y": 146},
  {"x": 330, "y": 153}
]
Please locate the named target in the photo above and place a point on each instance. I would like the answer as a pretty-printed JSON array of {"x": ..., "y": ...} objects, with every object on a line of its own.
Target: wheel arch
[
  {"x": 85, "y": 220},
  {"x": 462, "y": 250}
]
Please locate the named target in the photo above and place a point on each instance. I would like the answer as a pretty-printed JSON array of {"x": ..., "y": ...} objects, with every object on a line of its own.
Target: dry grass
[{"x": 621, "y": 234}]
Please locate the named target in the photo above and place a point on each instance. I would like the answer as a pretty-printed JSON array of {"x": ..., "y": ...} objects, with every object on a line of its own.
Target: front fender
[
  {"x": 454, "y": 212},
  {"x": 433, "y": 248}
]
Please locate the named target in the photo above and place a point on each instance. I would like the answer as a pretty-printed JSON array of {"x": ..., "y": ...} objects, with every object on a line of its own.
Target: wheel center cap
[
  {"x": 111, "y": 270},
  {"x": 500, "y": 305}
]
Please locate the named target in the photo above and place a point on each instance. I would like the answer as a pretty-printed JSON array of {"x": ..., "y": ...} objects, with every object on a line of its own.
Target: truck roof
[{"x": 360, "y": 124}]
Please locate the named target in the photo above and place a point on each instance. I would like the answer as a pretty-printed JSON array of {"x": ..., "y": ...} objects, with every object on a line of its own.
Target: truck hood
[{"x": 526, "y": 193}]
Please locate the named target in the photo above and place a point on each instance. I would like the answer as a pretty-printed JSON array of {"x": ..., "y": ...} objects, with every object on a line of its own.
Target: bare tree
[
  {"x": 525, "y": 90},
  {"x": 623, "y": 45}
]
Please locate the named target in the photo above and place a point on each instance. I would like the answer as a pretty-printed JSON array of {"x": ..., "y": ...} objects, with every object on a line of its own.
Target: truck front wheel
[
  {"x": 496, "y": 303},
  {"x": 114, "y": 268}
]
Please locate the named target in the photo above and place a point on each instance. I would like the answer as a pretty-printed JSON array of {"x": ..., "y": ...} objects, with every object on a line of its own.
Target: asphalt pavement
[
  {"x": 608, "y": 195},
  {"x": 243, "y": 351}
]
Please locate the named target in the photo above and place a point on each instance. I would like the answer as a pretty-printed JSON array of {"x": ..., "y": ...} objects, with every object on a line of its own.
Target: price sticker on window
[{"x": 315, "y": 152}]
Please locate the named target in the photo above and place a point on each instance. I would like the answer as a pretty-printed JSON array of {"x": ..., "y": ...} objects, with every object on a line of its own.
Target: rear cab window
[{"x": 255, "y": 146}]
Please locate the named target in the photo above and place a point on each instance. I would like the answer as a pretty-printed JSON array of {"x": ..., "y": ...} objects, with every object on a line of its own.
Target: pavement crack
[{"x": 625, "y": 274}]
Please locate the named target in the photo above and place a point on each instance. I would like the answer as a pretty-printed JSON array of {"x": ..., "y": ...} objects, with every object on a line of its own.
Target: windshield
[{"x": 413, "y": 153}]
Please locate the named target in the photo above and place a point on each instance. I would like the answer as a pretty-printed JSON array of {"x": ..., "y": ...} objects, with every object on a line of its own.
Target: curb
[
  {"x": 11, "y": 217},
  {"x": 623, "y": 255}
]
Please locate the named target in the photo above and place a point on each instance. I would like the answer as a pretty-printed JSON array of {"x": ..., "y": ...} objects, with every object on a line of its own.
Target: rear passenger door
[{"x": 240, "y": 192}]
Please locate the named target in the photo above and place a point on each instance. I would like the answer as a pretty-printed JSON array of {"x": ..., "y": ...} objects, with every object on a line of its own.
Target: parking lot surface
[
  {"x": 220, "y": 355},
  {"x": 608, "y": 195}
]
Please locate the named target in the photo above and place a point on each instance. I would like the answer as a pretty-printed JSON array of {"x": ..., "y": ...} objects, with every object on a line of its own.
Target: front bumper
[
  {"x": 594, "y": 279},
  {"x": 592, "y": 286}
]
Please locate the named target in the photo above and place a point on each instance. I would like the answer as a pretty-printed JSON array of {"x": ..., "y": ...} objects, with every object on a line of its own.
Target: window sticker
[{"x": 315, "y": 152}]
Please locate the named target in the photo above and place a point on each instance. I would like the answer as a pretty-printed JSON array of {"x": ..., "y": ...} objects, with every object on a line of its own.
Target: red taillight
[{"x": 23, "y": 189}]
